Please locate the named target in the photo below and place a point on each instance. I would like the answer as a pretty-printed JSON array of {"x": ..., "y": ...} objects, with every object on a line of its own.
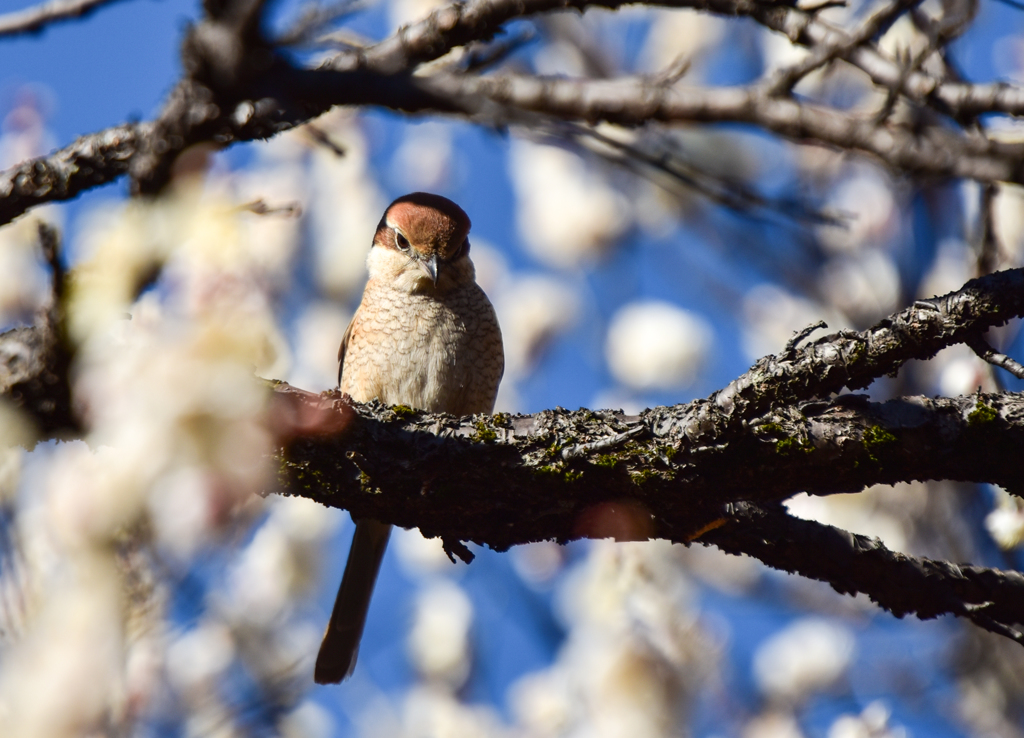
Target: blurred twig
[
  {"x": 785, "y": 79},
  {"x": 985, "y": 351},
  {"x": 259, "y": 207},
  {"x": 480, "y": 56},
  {"x": 732, "y": 194},
  {"x": 247, "y": 90},
  {"x": 988, "y": 246},
  {"x": 35, "y": 19},
  {"x": 321, "y": 138}
]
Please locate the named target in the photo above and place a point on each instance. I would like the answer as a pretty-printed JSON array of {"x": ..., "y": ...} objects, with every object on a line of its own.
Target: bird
[{"x": 425, "y": 336}]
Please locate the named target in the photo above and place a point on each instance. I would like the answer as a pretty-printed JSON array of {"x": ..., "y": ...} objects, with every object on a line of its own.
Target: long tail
[{"x": 338, "y": 651}]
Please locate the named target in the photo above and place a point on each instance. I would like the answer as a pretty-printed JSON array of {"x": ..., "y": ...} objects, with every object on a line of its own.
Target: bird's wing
[{"x": 343, "y": 347}]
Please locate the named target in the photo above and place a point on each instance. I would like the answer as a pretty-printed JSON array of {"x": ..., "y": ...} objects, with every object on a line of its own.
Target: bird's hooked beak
[{"x": 429, "y": 266}]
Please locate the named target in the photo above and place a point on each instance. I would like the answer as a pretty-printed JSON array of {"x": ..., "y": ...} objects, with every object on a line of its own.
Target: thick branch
[
  {"x": 503, "y": 480},
  {"x": 90, "y": 161}
]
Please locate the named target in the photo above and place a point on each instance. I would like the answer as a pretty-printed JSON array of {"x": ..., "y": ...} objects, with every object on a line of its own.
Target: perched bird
[{"x": 425, "y": 335}]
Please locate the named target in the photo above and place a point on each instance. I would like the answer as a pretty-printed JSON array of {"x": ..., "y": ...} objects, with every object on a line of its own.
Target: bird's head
[{"x": 422, "y": 245}]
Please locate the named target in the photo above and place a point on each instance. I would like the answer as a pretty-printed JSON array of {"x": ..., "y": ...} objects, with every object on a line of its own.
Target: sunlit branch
[
  {"x": 934, "y": 151},
  {"x": 785, "y": 79},
  {"x": 36, "y": 18}
]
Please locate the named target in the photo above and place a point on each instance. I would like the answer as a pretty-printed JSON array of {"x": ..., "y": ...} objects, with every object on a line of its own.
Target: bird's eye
[{"x": 401, "y": 241}]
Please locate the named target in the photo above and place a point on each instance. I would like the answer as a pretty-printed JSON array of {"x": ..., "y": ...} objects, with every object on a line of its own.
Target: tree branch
[
  {"x": 853, "y": 564},
  {"x": 933, "y": 152},
  {"x": 238, "y": 88},
  {"x": 507, "y": 480},
  {"x": 89, "y": 162},
  {"x": 784, "y": 81},
  {"x": 35, "y": 19}
]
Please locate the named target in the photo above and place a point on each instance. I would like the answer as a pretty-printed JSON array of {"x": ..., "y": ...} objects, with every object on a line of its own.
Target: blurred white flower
[
  {"x": 74, "y": 649},
  {"x": 567, "y": 214},
  {"x": 865, "y": 286},
  {"x": 538, "y": 563},
  {"x": 196, "y": 658},
  {"x": 434, "y": 712},
  {"x": 867, "y": 198},
  {"x": 24, "y": 282},
  {"x": 961, "y": 374},
  {"x": 1008, "y": 57},
  {"x": 873, "y": 722},
  {"x": 903, "y": 40},
  {"x": 318, "y": 332},
  {"x": 308, "y": 720},
  {"x": 773, "y": 724},
  {"x": 808, "y": 656},
  {"x": 25, "y": 134},
  {"x": 419, "y": 555},
  {"x": 183, "y": 508},
  {"x": 543, "y": 704},
  {"x": 404, "y": 12},
  {"x": 772, "y": 315},
  {"x": 1009, "y": 222},
  {"x": 92, "y": 495},
  {"x": 345, "y": 207},
  {"x": 493, "y": 272},
  {"x": 560, "y": 58},
  {"x": 779, "y": 52},
  {"x": 423, "y": 161},
  {"x": 855, "y": 513},
  {"x": 281, "y": 183},
  {"x": 281, "y": 562},
  {"x": 683, "y": 33},
  {"x": 632, "y": 656},
  {"x": 532, "y": 311},
  {"x": 1005, "y": 523},
  {"x": 948, "y": 271},
  {"x": 656, "y": 345},
  {"x": 438, "y": 641}
]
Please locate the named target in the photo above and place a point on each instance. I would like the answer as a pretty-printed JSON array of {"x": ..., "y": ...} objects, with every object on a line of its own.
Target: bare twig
[
  {"x": 49, "y": 243},
  {"x": 35, "y": 19},
  {"x": 785, "y": 79},
  {"x": 988, "y": 246},
  {"x": 934, "y": 151},
  {"x": 259, "y": 207},
  {"x": 318, "y": 135},
  {"x": 794, "y": 343},
  {"x": 730, "y": 193},
  {"x": 853, "y": 564},
  {"x": 481, "y": 55},
  {"x": 985, "y": 351}
]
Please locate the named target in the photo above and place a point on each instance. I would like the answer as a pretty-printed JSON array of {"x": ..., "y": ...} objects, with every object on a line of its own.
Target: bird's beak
[{"x": 429, "y": 267}]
